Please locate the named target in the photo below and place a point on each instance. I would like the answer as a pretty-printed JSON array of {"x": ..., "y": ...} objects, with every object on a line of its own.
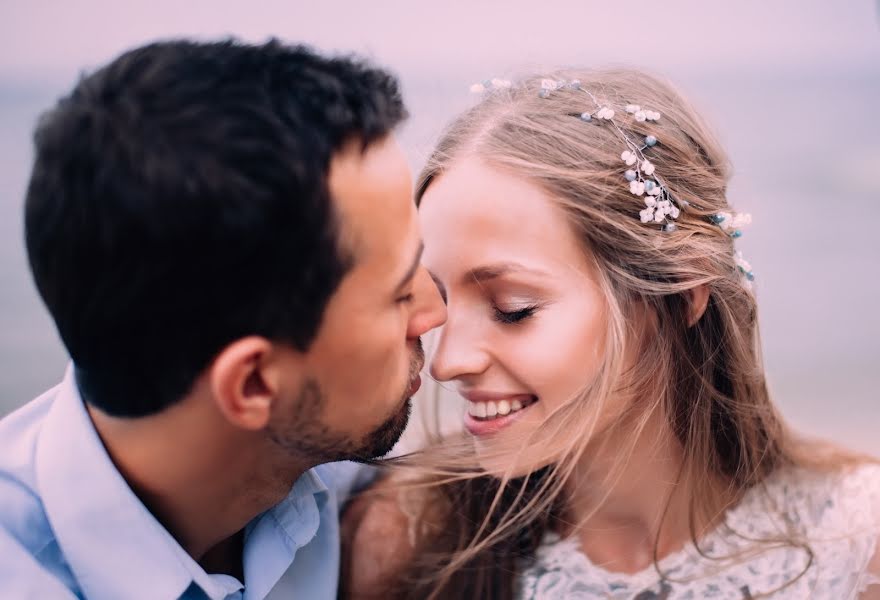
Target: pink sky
[{"x": 41, "y": 38}]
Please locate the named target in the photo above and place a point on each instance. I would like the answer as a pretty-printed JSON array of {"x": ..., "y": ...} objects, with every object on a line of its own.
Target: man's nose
[{"x": 429, "y": 310}]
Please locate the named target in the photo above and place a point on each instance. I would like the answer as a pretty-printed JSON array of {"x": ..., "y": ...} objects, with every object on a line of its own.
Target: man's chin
[{"x": 383, "y": 439}]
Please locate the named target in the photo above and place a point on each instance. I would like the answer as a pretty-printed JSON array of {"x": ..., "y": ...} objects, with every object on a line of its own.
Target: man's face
[{"x": 364, "y": 363}]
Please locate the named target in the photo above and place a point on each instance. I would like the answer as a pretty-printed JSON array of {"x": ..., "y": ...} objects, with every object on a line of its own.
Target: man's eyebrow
[
  {"x": 410, "y": 273},
  {"x": 440, "y": 287}
]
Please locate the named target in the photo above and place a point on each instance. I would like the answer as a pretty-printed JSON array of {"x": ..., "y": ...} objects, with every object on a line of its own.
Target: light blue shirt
[{"x": 70, "y": 526}]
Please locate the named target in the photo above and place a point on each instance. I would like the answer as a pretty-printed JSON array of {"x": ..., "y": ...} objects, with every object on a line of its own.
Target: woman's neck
[{"x": 629, "y": 499}]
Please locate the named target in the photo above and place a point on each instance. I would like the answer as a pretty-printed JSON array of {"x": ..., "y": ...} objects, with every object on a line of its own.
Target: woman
[{"x": 603, "y": 329}]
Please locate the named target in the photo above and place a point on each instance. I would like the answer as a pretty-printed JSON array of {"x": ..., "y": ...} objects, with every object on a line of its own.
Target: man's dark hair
[{"x": 179, "y": 201}]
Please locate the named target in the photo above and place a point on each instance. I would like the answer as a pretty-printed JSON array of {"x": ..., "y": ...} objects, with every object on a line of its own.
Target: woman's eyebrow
[
  {"x": 488, "y": 272},
  {"x": 483, "y": 274}
]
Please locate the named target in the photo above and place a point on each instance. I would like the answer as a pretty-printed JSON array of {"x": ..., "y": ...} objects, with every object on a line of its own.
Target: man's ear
[
  {"x": 245, "y": 381},
  {"x": 699, "y": 299}
]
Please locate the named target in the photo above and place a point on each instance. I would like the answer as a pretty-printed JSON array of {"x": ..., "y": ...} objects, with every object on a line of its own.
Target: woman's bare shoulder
[{"x": 377, "y": 538}]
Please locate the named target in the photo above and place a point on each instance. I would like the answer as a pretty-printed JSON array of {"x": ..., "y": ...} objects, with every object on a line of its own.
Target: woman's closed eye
[{"x": 511, "y": 316}]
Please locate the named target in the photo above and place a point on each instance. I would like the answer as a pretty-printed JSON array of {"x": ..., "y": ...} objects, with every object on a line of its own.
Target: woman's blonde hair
[{"x": 705, "y": 378}]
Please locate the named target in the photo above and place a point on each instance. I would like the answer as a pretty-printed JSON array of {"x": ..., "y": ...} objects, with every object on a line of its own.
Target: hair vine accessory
[
  {"x": 660, "y": 206},
  {"x": 490, "y": 84},
  {"x": 744, "y": 267},
  {"x": 732, "y": 224}
]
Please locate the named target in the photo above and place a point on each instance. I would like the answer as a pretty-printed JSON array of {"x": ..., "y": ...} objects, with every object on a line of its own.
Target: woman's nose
[{"x": 459, "y": 351}]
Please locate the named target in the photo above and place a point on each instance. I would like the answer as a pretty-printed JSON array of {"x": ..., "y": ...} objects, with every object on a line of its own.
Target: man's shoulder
[
  {"x": 24, "y": 575},
  {"x": 32, "y": 565},
  {"x": 19, "y": 431},
  {"x": 22, "y": 517}
]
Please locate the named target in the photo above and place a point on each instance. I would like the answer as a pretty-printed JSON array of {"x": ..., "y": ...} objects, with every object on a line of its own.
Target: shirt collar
[
  {"x": 273, "y": 539},
  {"x": 115, "y": 547}
]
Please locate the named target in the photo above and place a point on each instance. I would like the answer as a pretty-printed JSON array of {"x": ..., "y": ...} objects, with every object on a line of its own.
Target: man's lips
[
  {"x": 416, "y": 382},
  {"x": 414, "y": 385}
]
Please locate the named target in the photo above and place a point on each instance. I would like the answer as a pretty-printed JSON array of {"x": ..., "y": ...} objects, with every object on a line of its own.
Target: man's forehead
[{"x": 372, "y": 195}]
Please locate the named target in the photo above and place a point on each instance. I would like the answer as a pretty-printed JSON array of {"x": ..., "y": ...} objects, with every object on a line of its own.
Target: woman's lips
[{"x": 490, "y": 412}]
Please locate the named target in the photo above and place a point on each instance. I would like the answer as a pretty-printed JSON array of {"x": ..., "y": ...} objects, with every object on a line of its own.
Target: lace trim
[{"x": 837, "y": 515}]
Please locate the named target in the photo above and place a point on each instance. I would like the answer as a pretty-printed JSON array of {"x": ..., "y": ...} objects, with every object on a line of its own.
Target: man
[{"x": 225, "y": 237}]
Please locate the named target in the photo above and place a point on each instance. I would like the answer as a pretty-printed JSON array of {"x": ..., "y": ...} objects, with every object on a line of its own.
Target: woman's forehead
[{"x": 476, "y": 214}]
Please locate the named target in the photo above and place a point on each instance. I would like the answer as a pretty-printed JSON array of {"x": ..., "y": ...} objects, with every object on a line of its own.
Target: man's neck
[
  {"x": 202, "y": 480},
  {"x": 225, "y": 557}
]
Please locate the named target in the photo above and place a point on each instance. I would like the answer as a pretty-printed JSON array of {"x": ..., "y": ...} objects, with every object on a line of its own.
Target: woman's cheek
[{"x": 562, "y": 353}]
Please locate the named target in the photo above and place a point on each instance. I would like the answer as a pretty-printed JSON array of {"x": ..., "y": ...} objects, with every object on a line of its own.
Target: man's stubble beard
[{"x": 304, "y": 435}]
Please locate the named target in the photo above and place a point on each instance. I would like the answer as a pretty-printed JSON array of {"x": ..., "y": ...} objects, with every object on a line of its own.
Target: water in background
[{"x": 805, "y": 145}]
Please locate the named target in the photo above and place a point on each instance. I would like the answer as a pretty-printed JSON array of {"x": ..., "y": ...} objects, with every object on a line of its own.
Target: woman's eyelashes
[{"x": 511, "y": 317}]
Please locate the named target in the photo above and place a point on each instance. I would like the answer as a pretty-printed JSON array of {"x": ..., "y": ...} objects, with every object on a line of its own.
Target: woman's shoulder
[
  {"x": 375, "y": 539},
  {"x": 379, "y": 535},
  {"x": 843, "y": 500},
  {"x": 857, "y": 490},
  {"x": 817, "y": 533},
  {"x": 836, "y": 514}
]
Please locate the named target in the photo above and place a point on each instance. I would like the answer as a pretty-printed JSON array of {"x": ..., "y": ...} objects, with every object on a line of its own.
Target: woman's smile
[{"x": 490, "y": 412}]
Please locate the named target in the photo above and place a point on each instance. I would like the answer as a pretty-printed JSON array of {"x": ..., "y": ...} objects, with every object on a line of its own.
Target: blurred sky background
[{"x": 791, "y": 86}]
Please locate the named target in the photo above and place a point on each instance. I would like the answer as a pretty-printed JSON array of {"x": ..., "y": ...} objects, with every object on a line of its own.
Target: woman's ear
[{"x": 699, "y": 299}]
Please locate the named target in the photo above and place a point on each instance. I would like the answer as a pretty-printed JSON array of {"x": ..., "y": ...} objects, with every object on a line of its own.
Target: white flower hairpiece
[
  {"x": 732, "y": 223},
  {"x": 660, "y": 206},
  {"x": 744, "y": 268}
]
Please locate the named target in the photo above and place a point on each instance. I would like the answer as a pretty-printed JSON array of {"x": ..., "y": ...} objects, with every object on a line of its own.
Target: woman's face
[{"x": 526, "y": 320}]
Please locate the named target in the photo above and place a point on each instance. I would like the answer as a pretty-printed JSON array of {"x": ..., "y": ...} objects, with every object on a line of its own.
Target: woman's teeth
[{"x": 491, "y": 409}]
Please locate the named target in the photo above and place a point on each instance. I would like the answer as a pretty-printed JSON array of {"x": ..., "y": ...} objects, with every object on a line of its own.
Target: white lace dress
[{"x": 839, "y": 515}]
